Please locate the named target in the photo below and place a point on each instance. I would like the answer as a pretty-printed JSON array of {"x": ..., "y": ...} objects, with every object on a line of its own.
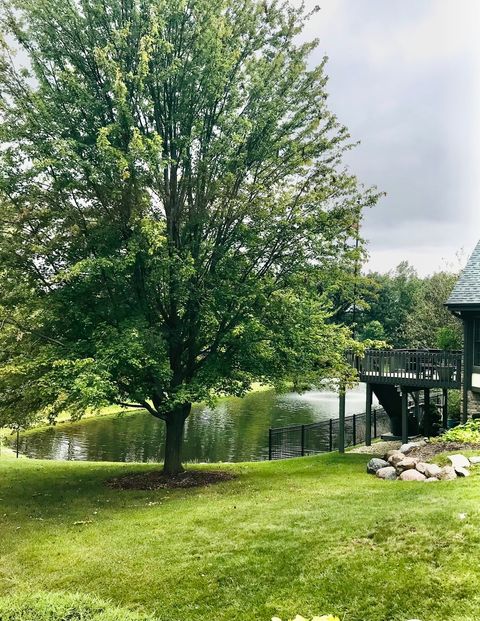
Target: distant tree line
[{"x": 405, "y": 310}]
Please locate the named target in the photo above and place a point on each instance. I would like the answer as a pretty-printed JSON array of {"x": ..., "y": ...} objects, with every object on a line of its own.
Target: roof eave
[{"x": 462, "y": 306}]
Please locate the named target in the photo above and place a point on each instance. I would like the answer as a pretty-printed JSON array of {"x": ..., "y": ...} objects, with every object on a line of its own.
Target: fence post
[
  {"x": 354, "y": 430},
  {"x": 375, "y": 423},
  {"x": 303, "y": 440},
  {"x": 330, "y": 435},
  {"x": 270, "y": 444},
  {"x": 341, "y": 420}
]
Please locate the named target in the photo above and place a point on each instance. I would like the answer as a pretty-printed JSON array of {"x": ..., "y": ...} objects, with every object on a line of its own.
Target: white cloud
[{"x": 405, "y": 79}]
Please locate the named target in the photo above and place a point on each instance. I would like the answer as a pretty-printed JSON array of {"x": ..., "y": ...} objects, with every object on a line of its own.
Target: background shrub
[
  {"x": 454, "y": 404},
  {"x": 468, "y": 433}
]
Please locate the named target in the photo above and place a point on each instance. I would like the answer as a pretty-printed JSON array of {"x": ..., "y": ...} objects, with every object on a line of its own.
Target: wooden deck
[{"x": 411, "y": 368}]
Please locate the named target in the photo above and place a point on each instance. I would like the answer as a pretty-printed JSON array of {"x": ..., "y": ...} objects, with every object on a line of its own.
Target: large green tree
[
  {"x": 409, "y": 311},
  {"x": 431, "y": 324},
  {"x": 172, "y": 190},
  {"x": 391, "y": 301}
]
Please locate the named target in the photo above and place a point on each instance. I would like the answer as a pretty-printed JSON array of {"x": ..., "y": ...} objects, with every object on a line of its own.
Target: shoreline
[{"x": 110, "y": 411}]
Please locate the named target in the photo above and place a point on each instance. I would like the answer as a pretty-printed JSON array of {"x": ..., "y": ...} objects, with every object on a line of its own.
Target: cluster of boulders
[{"x": 397, "y": 465}]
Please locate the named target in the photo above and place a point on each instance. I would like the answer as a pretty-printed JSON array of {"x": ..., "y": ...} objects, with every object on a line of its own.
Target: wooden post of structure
[
  {"x": 464, "y": 416},
  {"x": 467, "y": 366},
  {"x": 416, "y": 399},
  {"x": 341, "y": 420},
  {"x": 445, "y": 408},
  {"x": 427, "y": 418},
  {"x": 368, "y": 416},
  {"x": 404, "y": 415}
]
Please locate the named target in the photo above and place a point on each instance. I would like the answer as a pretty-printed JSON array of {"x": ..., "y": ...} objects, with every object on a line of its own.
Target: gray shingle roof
[{"x": 467, "y": 290}]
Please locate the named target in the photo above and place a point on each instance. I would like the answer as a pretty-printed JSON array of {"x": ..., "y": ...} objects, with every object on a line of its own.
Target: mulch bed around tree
[
  {"x": 157, "y": 480},
  {"x": 427, "y": 452}
]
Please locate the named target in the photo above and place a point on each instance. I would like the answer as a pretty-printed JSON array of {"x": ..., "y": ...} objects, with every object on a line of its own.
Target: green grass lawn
[{"x": 309, "y": 536}]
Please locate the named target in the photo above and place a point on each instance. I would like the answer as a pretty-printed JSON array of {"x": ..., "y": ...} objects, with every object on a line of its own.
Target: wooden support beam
[
  {"x": 467, "y": 365},
  {"x": 404, "y": 415},
  {"x": 427, "y": 413},
  {"x": 341, "y": 420},
  {"x": 464, "y": 401},
  {"x": 416, "y": 411},
  {"x": 368, "y": 416},
  {"x": 416, "y": 399},
  {"x": 445, "y": 409}
]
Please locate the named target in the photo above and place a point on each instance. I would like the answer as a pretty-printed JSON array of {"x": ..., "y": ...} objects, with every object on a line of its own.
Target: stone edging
[{"x": 396, "y": 465}]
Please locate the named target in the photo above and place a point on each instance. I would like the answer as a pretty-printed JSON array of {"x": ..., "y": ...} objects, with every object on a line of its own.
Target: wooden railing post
[{"x": 270, "y": 444}]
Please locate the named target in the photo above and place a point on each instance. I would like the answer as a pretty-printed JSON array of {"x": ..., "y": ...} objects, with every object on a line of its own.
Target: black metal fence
[{"x": 322, "y": 437}]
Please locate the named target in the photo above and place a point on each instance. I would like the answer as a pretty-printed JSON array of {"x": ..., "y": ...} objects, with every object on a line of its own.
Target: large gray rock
[
  {"x": 432, "y": 470},
  {"x": 375, "y": 464},
  {"x": 421, "y": 467},
  {"x": 459, "y": 461},
  {"x": 396, "y": 458},
  {"x": 412, "y": 475},
  {"x": 431, "y": 480},
  {"x": 389, "y": 473},
  {"x": 408, "y": 463},
  {"x": 389, "y": 454},
  {"x": 462, "y": 472},
  {"x": 406, "y": 448},
  {"x": 447, "y": 473},
  {"x": 474, "y": 460}
]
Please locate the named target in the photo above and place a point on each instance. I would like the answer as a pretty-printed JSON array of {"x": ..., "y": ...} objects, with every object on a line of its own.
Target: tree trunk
[{"x": 173, "y": 444}]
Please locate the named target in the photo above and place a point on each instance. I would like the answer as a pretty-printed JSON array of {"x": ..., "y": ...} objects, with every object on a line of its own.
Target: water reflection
[{"x": 235, "y": 430}]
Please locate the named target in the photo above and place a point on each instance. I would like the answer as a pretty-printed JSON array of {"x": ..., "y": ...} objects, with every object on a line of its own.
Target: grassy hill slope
[{"x": 309, "y": 536}]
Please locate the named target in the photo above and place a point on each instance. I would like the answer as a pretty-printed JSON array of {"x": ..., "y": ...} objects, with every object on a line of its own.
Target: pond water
[{"x": 235, "y": 430}]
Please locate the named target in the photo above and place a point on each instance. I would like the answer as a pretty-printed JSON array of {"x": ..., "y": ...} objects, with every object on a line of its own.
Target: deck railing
[{"x": 411, "y": 367}]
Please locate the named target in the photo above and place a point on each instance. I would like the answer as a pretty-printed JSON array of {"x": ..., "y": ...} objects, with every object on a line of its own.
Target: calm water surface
[{"x": 236, "y": 430}]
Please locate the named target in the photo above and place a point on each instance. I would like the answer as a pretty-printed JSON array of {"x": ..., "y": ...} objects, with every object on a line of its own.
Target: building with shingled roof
[{"x": 464, "y": 302}]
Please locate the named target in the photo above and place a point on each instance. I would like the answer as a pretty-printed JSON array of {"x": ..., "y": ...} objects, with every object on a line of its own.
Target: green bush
[
  {"x": 62, "y": 607},
  {"x": 467, "y": 433},
  {"x": 454, "y": 404},
  {"x": 448, "y": 338}
]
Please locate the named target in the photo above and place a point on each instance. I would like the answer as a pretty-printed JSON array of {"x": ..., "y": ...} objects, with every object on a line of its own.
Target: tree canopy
[
  {"x": 172, "y": 197},
  {"x": 409, "y": 311}
]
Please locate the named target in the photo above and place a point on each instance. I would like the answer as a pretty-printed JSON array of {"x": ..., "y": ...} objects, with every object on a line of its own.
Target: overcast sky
[{"x": 405, "y": 79}]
